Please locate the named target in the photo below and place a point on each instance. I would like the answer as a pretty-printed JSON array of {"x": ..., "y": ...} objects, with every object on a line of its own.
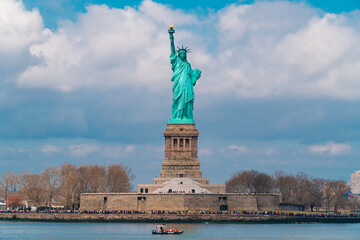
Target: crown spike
[{"x": 185, "y": 49}]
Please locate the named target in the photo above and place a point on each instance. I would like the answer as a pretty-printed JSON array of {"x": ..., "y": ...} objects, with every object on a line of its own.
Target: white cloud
[
  {"x": 330, "y": 148},
  {"x": 114, "y": 151},
  {"x": 49, "y": 149},
  {"x": 239, "y": 149},
  {"x": 106, "y": 48},
  {"x": 164, "y": 15},
  {"x": 268, "y": 152},
  {"x": 205, "y": 152},
  {"x": 18, "y": 27},
  {"x": 130, "y": 148},
  {"x": 12, "y": 150},
  {"x": 261, "y": 50},
  {"x": 318, "y": 46},
  {"x": 117, "y": 151},
  {"x": 285, "y": 49},
  {"x": 7, "y": 149},
  {"x": 83, "y": 149}
]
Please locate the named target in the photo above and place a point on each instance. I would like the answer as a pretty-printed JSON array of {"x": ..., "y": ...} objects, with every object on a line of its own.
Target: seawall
[{"x": 173, "y": 218}]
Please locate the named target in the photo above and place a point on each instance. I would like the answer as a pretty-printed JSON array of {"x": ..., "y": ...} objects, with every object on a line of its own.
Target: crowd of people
[{"x": 238, "y": 212}]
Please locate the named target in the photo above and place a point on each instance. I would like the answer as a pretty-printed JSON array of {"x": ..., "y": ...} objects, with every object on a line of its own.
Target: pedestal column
[{"x": 181, "y": 152}]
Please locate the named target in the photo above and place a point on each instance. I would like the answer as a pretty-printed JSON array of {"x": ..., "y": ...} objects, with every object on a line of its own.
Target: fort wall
[{"x": 178, "y": 202}]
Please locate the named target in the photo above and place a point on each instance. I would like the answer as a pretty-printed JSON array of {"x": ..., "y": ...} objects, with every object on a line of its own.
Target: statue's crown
[{"x": 185, "y": 49}]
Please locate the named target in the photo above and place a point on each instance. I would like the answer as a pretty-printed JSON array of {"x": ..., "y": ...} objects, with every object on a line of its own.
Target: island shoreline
[{"x": 172, "y": 218}]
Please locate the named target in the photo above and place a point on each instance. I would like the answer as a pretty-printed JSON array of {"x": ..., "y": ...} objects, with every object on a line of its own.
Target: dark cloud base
[
  {"x": 137, "y": 117},
  {"x": 287, "y": 125}
]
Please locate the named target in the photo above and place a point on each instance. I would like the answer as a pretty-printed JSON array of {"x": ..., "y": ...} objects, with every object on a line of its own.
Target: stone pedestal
[
  {"x": 181, "y": 152},
  {"x": 181, "y": 167}
]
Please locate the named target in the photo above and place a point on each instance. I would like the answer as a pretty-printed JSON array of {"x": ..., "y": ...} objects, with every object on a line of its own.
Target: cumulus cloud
[
  {"x": 106, "y": 48},
  {"x": 330, "y": 148},
  {"x": 265, "y": 49},
  {"x": 323, "y": 41},
  {"x": 286, "y": 49},
  {"x": 83, "y": 149},
  {"x": 19, "y": 29},
  {"x": 49, "y": 149}
]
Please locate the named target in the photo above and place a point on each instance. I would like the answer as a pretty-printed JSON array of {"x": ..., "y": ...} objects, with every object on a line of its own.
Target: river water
[{"x": 88, "y": 231}]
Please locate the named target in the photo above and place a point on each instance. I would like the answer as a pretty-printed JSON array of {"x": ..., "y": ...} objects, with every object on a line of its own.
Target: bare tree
[
  {"x": 241, "y": 182},
  {"x": 301, "y": 189},
  {"x": 92, "y": 178},
  {"x": 328, "y": 191},
  {"x": 67, "y": 183},
  {"x": 97, "y": 179},
  {"x": 51, "y": 183},
  {"x": 354, "y": 202},
  {"x": 334, "y": 194},
  {"x": 341, "y": 188},
  {"x": 9, "y": 181},
  {"x": 250, "y": 182},
  {"x": 314, "y": 194},
  {"x": 70, "y": 186},
  {"x": 263, "y": 183},
  {"x": 118, "y": 178},
  {"x": 285, "y": 186},
  {"x": 31, "y": 187},
  {"x": 84, "y": 177}
]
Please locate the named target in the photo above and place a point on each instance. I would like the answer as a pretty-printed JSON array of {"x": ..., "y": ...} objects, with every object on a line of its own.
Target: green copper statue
[{"x": 184, "y": 79}]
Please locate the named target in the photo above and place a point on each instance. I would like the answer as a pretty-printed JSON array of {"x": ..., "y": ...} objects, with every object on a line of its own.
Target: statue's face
[{"x": 182, "y": 55}]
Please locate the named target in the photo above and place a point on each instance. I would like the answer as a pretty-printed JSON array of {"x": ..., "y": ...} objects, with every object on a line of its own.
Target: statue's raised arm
[
  {"x": 171, "y": 34},
  {"x": 184, "y": 79}
]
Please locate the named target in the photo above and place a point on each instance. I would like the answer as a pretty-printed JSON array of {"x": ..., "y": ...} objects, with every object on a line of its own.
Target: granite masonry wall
[{"x": 178, "y": 201}]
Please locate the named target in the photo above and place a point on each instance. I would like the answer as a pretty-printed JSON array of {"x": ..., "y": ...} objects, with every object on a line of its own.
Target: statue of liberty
[{"x": 184, "y": 79}]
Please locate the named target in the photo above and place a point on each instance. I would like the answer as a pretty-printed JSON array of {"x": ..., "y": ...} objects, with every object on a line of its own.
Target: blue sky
[
  {"x": 57, "y": 10},
  {"x": 88, "y": 82}
]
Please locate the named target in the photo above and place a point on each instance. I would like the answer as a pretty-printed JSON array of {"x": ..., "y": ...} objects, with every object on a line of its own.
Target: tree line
[
  {"x": 313, "y": 193},
  {"x": 63, "y": 185}
]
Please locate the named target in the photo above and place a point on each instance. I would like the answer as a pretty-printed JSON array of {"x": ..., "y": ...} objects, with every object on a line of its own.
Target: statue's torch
[{"x": 171, "y": 30}]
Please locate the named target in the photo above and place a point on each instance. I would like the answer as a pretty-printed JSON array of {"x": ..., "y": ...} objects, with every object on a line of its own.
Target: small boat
[{"x": 163, "y": 230}]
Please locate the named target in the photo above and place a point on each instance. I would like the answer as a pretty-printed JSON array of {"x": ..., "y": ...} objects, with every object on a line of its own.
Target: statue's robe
[{"x": 184, "y": 79}]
